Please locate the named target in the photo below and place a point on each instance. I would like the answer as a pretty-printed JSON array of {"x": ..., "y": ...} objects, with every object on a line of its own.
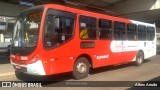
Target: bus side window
[
  {"x": 68, "y": 26},
  {"x": 105, "y": 29},
  {"x": 52, "y": 24},
  {"x": 119, "y": 30},
  {"x": 88, "y": 28},
  {"x": 141, "y": 32},
  {"x": 131, "y": 32},
  {"x": 150, "y": 33},
  {"x": 58, "y": 30},
  {"x": 52, "y": 31}
]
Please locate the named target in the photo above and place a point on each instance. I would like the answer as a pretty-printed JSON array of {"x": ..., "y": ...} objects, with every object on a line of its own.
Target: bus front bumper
[{"x": 33, "y": 69}]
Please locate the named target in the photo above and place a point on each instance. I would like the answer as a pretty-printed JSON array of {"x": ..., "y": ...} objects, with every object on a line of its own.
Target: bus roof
[{"x": 94, "y": 14}]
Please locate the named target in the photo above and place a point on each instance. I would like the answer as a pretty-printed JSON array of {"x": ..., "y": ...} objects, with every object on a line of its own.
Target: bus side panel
[
  {"x": 130, "y": 49},
  {"x": 60, "y": 59},
  {"x": 101, "y": 53},
  {"x": 148, "y": 47},
  {"x": 112, "y": 52},
  {"x": 55, "y": 64},
  {"x": 116, "y": 56},
  {"x": 128, "y": 56},
  {"x": 108, "y": 54}
]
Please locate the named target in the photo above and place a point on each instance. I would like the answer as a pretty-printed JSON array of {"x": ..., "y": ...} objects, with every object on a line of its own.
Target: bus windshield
[{"x": 26, "y": 30}]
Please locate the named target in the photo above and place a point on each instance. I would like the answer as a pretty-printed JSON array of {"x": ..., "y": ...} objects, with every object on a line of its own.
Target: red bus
[{"x": 52, "y": 39}]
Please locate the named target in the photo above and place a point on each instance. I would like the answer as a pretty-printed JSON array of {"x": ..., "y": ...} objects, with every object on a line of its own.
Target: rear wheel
[
  {"x": 139, "y": 59},
  {"x": 81, "y": 68}
]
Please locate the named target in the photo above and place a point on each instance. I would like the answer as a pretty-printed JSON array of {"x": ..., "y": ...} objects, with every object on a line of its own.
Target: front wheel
[
  {"x": 81, "y": 68},
  {"x": 139, "y": 59}
]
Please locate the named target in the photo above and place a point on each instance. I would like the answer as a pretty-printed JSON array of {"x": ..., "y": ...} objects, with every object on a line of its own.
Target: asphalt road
[{"x": 148, "y": 71}]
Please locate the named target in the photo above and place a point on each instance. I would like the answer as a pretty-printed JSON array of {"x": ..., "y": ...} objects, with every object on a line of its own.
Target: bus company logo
[
  {"x": 6, "y": 84},
  {"x": 103, "y": 56},
  {"x": 118, "y": 46}
]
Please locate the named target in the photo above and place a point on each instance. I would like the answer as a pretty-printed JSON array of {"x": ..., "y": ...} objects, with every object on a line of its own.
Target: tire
[
  {"x": 139, "y": 59},
  {"x": 81, "y": 68}
]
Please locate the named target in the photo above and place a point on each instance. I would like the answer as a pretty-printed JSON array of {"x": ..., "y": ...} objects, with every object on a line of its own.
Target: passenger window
[
  {"x": 88, "y": 27},
  {"x": 119, "y": 31},
  {"x": 150, "y": 33},
  {"x": 141, "y": 32},
  {"x": 58, "y": 30},
  {"x": 105, "y": 29},
  {"x": 131, "y": 32}
]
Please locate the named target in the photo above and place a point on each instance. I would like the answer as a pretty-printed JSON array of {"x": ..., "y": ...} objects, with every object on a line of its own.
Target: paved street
[{"x": 149, "y": 71}]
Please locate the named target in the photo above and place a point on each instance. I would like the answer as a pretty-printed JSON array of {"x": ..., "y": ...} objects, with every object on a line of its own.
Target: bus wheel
[
  {"x": 139, "y": 59},
  {"x": 81, "y": 68}
]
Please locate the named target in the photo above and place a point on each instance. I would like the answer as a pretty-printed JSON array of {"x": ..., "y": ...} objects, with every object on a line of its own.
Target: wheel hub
[
  {"x": 81, "y": 67},
  {"x": 139, "y": 59}
]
